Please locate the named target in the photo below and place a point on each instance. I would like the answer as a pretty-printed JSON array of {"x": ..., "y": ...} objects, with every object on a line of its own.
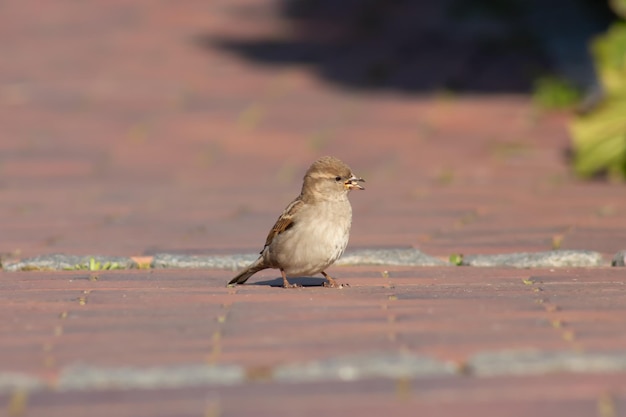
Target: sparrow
[{"x": 313, "y": 230}]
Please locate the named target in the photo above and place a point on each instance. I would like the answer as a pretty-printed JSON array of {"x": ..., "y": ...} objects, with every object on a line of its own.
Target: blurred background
[
  {"x": 140, "y": 127},
  {"x": 458, "y": 46}
]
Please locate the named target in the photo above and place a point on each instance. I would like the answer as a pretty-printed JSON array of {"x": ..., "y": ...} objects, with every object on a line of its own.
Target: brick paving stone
[
  {"x": 173, "y": 319},
  {"x": 100, "y": 143}
]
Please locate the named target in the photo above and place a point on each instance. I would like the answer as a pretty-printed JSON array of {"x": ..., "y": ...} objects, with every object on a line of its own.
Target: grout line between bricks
[
  {"x": 399, "y": 366},
  {"x": 381, "y": 257},
  {"x": 554, "y": 314},
  {"x": 216, "y": 337}
]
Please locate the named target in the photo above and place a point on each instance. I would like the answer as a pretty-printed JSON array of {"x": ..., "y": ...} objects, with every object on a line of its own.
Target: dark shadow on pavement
[
  {"x": 300, "y": 281},
  {"x": 485, "y": 46}
]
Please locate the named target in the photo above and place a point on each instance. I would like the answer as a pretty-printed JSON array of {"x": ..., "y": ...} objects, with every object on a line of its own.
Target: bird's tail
[{"x": 243, "y": 276}]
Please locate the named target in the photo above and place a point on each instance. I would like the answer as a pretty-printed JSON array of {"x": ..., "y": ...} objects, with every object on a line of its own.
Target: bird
[{"x": 313, "y": 230}]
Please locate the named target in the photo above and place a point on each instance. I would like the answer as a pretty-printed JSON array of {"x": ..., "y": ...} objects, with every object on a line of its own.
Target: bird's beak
[{"x": 353, "y": 183}]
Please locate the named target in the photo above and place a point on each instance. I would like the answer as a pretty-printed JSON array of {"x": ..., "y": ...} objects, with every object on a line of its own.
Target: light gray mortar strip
[
  {"x": 551, "y": 259},
  {"x": 231, "y": 262},
  {"x": 540, "y": 363},
  {"x": 82, "y": 377},
  {"x": 390, "y": 257},
  {"x": 393, "y": 256},
  {"x": 59, "y": 262},
  {"x": 12, "y": 381},
  {"x": 364, "y": 366},
  {"x": 403, "y": 257},
  {"x": 389, "y": 365}
]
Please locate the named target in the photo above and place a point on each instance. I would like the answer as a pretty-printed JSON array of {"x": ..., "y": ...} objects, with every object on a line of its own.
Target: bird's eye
[{"x": 337, "y": 178}]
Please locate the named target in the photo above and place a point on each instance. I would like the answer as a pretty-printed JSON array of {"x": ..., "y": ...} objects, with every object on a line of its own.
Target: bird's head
[{"x": 330, "y": 178}]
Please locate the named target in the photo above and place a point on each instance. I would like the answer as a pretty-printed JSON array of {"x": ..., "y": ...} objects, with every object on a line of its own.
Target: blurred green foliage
[
  {"x": 551, "y": 92},
  {"x": 619, "y": 7},
  {"x": 599, "y": 137}
]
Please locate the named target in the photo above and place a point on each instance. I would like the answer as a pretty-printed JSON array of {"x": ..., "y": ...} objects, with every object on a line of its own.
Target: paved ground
[{"x": 122, "y": 134}]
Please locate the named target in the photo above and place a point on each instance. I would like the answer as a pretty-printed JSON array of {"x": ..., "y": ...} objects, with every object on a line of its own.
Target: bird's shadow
[{"x": 299, "y": 281}]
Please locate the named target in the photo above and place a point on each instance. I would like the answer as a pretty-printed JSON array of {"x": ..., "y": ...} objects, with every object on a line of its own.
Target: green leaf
[
  {"x": 600, "y": 140},
  {"x": 456, "y": 259},
  {"x": 555, "y": 93},
  {"x": 609, "y": 52}
]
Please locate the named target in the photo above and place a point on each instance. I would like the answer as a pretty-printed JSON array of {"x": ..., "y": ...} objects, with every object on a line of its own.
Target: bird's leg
[
  {"x": 286, "y": 283},
  {"x": 331, "y": 282}
]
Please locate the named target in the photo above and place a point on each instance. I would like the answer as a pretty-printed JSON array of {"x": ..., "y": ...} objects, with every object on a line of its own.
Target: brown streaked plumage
[{"x": 313, "y": 230}]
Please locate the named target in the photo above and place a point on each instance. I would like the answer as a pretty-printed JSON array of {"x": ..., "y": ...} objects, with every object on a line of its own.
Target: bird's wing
[{"x": 285, "y": 221}]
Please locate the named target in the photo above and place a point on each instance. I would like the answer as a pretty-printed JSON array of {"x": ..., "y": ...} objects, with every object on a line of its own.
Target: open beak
[{"x": 353, "y": 183}]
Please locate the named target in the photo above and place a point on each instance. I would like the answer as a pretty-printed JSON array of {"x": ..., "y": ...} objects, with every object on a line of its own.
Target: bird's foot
[
  {"x": 287, "y": 284},
  {"x": 331, "y": 283},
  {"x": 334, "y": 284}
]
